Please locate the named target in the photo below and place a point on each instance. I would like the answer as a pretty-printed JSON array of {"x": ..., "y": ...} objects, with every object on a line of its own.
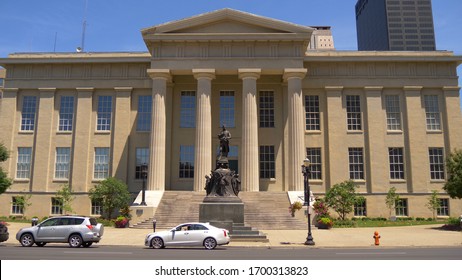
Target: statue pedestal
[{"x": 222, "y": 212}]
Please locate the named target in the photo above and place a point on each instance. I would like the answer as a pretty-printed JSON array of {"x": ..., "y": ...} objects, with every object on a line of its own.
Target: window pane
[
  {"x": 393, "y": 112},
  {"x": 142, "y": 157},
  {"x": 353, "y": 112},
  {"x": 312, "y": 120},
  {"x": 396, "y": 158},
  {"x": 101, "y": 165},
  {"x": 267, "y": 162},
  {"x": 443, "y": 209},
  {"x": 266, "y": 109},
  {"x": 360, "y": 209},
  {"x": 227, "y": 108},
  {"x": 144, "y": 113},
  {"x": 356, "y": 163},
  {"x": 104, "y": 113},
  {"x": 23, "y": 163},
  {"x": 186, "y": 162},
  {"x": 29, "y": 107},
  {"x": 314, "y": 155},
  {"x": 432, "y": 112},
  {"x": 188, "y": 109},
  {"x": 63, "y": 157},
  {"x": 56, "y": 206},
  {"x": 66, "y": 113},
  {"x": 436, "y": 157}
]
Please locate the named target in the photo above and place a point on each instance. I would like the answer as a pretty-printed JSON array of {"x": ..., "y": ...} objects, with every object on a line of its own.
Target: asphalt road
[{"x": 63, "y": 252}]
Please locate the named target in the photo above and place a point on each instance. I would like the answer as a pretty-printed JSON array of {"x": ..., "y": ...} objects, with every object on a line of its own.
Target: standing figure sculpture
[{"x": 224, "y": 137}]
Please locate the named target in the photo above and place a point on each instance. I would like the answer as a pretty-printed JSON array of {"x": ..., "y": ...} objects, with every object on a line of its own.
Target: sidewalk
[{"x": 412, "y": 236}]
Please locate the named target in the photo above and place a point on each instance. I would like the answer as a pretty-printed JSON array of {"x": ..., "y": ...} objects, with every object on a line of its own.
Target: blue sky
[{"x": 114, "y": 25}]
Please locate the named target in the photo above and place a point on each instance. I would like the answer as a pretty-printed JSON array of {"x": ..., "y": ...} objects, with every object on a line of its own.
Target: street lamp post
[
  {"x": 306, "y": 172},
  {"x": 144, "y": 175}
]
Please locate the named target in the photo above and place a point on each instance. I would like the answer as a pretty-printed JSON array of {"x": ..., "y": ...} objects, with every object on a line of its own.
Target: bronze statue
[{"x": 224, "y": 137}]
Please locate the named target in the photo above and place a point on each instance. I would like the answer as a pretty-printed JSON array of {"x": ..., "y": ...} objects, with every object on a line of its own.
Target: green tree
[
  {"x": 112, "y": 193},
  {"x": 433, "y": 203},
  {"x": 5, "y": 182},
  {"x": 453, "y": 185},
  {"x": 23, "y": 201},
  {"x": 391, "y": 199},
  {"x": 342, "y": 198},
  {"x": 66, "y": 196}
]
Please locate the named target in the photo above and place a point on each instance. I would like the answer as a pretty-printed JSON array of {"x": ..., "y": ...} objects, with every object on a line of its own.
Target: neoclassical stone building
[{"x": 381, "y": 119}]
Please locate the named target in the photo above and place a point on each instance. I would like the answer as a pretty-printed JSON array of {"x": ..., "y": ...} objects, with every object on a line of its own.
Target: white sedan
[{"x": 189, "y": 234}]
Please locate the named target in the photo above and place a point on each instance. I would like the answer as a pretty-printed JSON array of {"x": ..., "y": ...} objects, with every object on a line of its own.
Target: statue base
[{"x": 222, "y": 212}]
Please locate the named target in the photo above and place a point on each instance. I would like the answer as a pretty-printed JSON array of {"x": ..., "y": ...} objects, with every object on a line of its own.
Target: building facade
[
  {"x": 395, "y": 25},
  {"x": 381, "y": 119}
]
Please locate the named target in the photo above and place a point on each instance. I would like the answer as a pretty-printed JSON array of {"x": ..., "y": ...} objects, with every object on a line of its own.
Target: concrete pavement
[{"x": 417, "y": 236}]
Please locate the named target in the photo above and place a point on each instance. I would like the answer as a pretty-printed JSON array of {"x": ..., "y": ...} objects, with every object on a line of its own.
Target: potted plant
[
  {"x": 325, "y": 223},
  {"x": 297, "y": 205},
  {"x": 121, "y": 222}
]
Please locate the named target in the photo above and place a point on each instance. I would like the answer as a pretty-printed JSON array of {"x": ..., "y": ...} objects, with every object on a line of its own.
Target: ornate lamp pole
[
  {"x": 306, "y": 172},
  {"x": 144, "y": 175}
]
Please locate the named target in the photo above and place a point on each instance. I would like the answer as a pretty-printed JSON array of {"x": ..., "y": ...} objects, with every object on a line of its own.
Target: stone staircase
[
  {"x": 270, "y": 211},
  {"x": 263, "y": 210}
]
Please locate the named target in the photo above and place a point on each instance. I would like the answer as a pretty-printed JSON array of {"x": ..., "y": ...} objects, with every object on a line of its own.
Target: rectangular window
[
  {"x": 360, "y": 209},
  {"x": 96, "y": 208},
  {"x": 142, "y": 157},
  {"x": 443, "y": 210},
  {"x": 188, "y": 109},
  {"x": 266, "y": 109},
  {"x": 436, "y": 163},
  {"x": 432, "y": 112},
  {"x": 186, "y": 162},
  {"x": 143, "y": 122},
  {"x": 401, "y": 207},
  {"x": 101, "y": 166},
  {"x": 23, "y": 163},
  {"x": 56, "y": 206},
  {"x": 66, "y": 113},
  {"x": 356, "y": 163},
  {"x": 353, "y": 106},
  {"x": 314, "y": 155},
  {"x": 227, "y": 108},
  {"x": 29, "y": 107},
  {"x": 312, "y": 118},
  {"x": 393, "y": 112},
  {"x": 16, "y": 207},
  {"x": 63, "y": 159},
  {"x": 104, "y": 113},
  {"x": 267, "y": 162},
  {"x": 396, "y": 158}
]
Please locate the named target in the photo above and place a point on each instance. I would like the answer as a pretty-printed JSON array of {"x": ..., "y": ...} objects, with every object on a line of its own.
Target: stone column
[
  {"x": 9, "y": 129},
  {"x": 156, "y": 170},
  {"x": 121, "y": 133},
  {"x": 451, "y": 118},
  {"x": 296, "y": 121},
  {"x": 249, "y": 164},
  {"x": 203, "y": 143},
  {"x": 81, "y": 141}
]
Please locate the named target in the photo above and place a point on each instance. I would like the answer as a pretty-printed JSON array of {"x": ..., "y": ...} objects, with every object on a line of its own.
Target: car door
[
  {"x": 64, "y": 228},
  {"x": 181, "y": 236},
  {"x": 197, "y": 234},
  {"x": 46, "y": 231}
]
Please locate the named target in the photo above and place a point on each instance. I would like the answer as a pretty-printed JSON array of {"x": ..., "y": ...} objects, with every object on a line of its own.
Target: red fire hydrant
[{"x": 376, "y": 238}]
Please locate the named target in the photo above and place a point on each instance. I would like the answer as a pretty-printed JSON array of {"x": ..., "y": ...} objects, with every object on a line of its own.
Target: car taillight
[
  {"x": 224, "y": 232},
  {"x": 90, "y": 227}
]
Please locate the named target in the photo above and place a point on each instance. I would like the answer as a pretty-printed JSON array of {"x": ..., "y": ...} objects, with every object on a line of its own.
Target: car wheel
[
  {"x": 40, "y": 244},
  {"x": 157, "y": 243},
  {"x": 27, "y": 240},
  {"x": 75, "y": 241},
  {"x": 210, "y": 243},
  {"x": 87, "y": 244}
]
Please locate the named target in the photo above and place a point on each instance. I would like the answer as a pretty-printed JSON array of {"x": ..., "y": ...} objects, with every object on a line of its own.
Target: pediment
[{"x": 227, "y": 21}]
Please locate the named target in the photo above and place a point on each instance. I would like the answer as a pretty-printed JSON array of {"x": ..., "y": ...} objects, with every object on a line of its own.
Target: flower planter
[{"x": 324, "y": 226}]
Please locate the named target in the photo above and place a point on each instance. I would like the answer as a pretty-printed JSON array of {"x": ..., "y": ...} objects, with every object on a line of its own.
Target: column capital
[
  {"x": 373, "y": 88},
  {"x": 47, "y": 92},
  {"x": 160, "y": 74},
  {"x": 10, "y": 91},
  {"x": 204, "y": 73},
  {"x": 290, "y": 73},
  {"x": 43, "y": 90},
  {"x": 412, "y": 88},
  {"x": 451, "y": 88},
  {"x": 245, "y": 73},
  {"x": 85, "y": 89}
]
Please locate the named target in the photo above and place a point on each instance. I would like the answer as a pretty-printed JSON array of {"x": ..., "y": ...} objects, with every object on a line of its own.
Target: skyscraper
[{"x": 395, "y": 25}]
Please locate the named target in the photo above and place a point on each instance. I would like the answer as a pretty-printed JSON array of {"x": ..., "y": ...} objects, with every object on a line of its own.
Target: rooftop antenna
[{"x": 84, "y": 27}]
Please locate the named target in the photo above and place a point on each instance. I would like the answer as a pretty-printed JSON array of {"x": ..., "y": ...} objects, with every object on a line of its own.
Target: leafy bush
[
  {"x": 345, "y": 223},
  {"x": 297, "y": 205},
  {"x": 453, "y": 221},
  {"x": 121, "y": 222}
]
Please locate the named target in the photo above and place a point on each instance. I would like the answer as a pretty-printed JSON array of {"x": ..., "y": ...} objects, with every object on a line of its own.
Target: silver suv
[{"x": 75, "y": 230}]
